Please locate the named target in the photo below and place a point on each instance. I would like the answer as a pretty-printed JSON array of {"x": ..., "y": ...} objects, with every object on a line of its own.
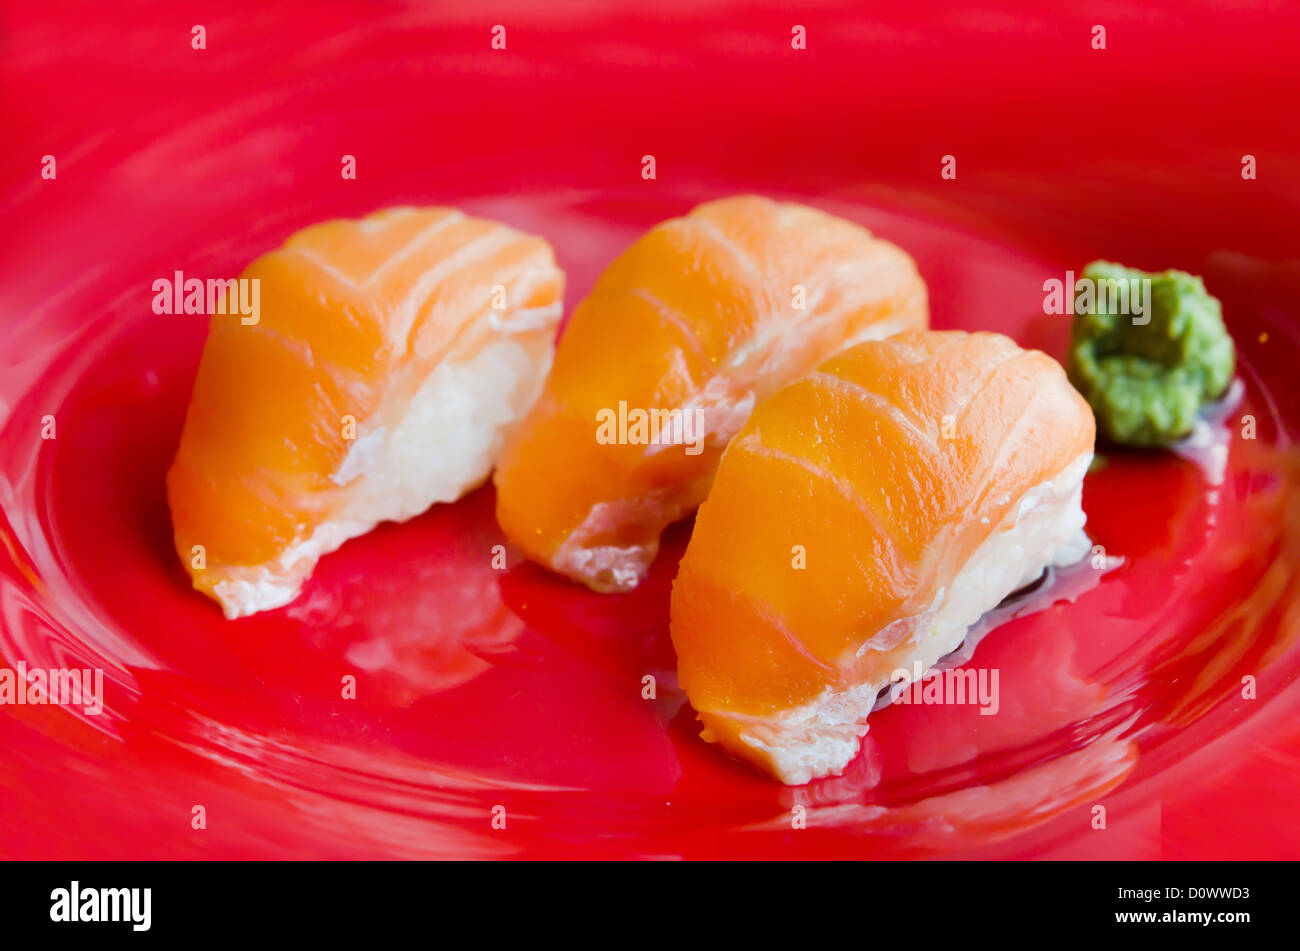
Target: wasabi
[{"x": 1147, "y": 368}]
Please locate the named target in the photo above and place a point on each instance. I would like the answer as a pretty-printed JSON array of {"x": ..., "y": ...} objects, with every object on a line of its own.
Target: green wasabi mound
[{"x": 1147, "y": 357}]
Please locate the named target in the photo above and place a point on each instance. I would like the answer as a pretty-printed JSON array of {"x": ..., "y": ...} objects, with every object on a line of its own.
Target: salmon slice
[
  {"x": 861, "y": 521},
  {"x": 391, "y": 357},
  {"x": 661, "y": 364}
]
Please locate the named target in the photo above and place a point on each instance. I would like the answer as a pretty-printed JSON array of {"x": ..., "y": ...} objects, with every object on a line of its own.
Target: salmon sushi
[
  {"x": 391, "y": 357},
  {"x": 862, "y": 520},
  {"x": 662, "y": 363}
]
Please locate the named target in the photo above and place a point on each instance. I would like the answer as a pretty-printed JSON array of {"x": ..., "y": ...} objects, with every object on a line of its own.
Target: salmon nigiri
[
  {"x": 861, "y": 521},
  {"x": 391, "y": 357},
  {"x": 659, "y": 367}
]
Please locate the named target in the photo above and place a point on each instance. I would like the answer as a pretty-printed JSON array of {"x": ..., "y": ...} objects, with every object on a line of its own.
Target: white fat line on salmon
[
  {"x": 74, "y": 904},
  {"x": 524, "y": 320},
  {"x": 182, "y": 295},
  {"x": 402, "y": 254},
  {"x": 57, "y": 686},
  {"x": 1129, "y": 297},
  {"x": 651, "y": 427},
  {"x": 426, "y": 285},
  {"x": 956, "y": 686}
]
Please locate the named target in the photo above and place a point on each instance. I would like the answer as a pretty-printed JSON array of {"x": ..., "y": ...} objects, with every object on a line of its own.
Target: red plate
[{"x": 479, "y": 688}]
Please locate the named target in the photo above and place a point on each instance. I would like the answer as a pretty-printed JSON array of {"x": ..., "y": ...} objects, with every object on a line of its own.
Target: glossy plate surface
[{"x": 478, "y": 687}]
